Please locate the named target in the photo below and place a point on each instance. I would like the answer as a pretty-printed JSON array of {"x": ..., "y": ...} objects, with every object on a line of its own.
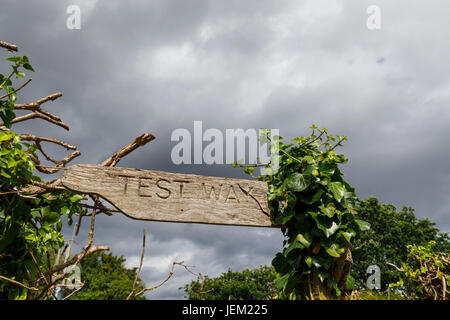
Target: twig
[
  {"x": 40, "y": 271},
  {"x": 37, "y": 104},
  {"x": 16, "y": 90},
  {"x": 19, "y": 284},
  {"x": 393, "y": 265},
  {"x": 140, "y": 267},
  {"x": 30, "y": 137},
  {"x": 138, "y": 142}
]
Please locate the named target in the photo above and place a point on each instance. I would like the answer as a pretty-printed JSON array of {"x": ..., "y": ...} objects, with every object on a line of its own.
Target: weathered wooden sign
[{"x": 172, "y": 197}]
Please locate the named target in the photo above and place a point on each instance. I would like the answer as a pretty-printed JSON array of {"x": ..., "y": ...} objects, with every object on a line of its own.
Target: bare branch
[
  {"x": 38, "y": 114},
  {"x": 181, "y": 263},
  {"x": 30, "y": 137},
  {"x": 102, "y": 209},
  {"x": 140, "y": 267},
  {"x": 393, "y": 265},
  {"x": 59, "y": 165},
  {"x": 138, "y": 142},
  {"x": 37, "y": 104},
  {"x": 18, "y": 283}
]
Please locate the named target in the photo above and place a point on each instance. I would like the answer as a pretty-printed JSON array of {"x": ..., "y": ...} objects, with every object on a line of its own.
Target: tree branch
[
  {"x": 138, "y": 142},
  {"x": 140, "y": 267}
]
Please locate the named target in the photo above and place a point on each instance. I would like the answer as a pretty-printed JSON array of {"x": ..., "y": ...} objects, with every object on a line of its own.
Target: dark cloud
[{"x": 154, "y": 66}]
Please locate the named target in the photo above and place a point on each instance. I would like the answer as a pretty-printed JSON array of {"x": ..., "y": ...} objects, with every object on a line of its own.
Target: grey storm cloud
[{"x": 155, "y": 66}]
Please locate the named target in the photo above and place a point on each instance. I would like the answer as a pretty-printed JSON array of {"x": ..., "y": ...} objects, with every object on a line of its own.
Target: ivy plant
[{"x": 314, "y": 205}]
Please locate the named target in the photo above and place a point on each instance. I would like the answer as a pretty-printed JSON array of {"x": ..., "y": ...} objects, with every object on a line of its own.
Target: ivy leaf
[
  {"x": 322, "y": 276},
  {"x": 28, "y": 66},
  {"x": 334, "y": 250},
  {"x": 328, "y": 227},
  {"x": 298, "y": 182},
  {"x": 304, "y": 239},
  {"x": 292, "y": 246},
  {"x": 350, "y": 200},
  {"x": 281, "y": 282},
  {"x": 337, "y": 189},
  {"x": 280, "y": 264},
  {"x": 329, "y": 210},
  {"x": 308, "y": 261},
  {"x": 363, "y": 225},
  {"x": 317, "y": 195},
  {"x": 322, "y": 262},
  {"x": 347, "y": 235},
  {"x": 75, "y": 198}
]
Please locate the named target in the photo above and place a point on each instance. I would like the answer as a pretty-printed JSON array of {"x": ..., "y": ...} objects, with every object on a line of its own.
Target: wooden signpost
[{"x": 173, "y": 197}]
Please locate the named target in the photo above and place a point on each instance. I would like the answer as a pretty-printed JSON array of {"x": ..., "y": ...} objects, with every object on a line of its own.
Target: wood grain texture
[{"x": 172, "y": 197}]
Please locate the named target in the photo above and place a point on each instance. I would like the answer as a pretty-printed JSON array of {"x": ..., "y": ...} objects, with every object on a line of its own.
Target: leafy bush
[
  {"x": 426, "y": 273},
  {"x": 250, "y": 284}
]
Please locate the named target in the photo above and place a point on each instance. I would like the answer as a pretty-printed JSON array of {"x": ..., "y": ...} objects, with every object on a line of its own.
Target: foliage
[
  {"x": 310, "y": 199},
  {"x": 7, "y": 105},
  {"x": 387, "y": 240},
  {"x": 250, "y": 284},
  {"x": 106, "y": 278},
  {"x": 30, "y": 227},
  {"x": 426, "y": 273},
  {"x": 375, "y": 295}
]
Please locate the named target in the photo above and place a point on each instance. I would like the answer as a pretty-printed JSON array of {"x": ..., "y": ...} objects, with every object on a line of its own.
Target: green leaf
[
  {"x": 308, "y": 261},
  {"x": 329, "y": 210},
  {"x": 347, "y": 235},
  {"x": 322, "y": 262},
  {"x": 5, "y": 174},
  {"x": 280, "y": 264},
  {"x": 76, "y": 197},
  {"x": 326, "y": 169},
  {"x": 337, "y": 189},
  {"x": 363, "y": 225},
  {"x": 298, "y": 182},
  {"x": 317, "y": 195},
  {"x": 14, "y": 59},
  {"x": 249, "y": 170}
]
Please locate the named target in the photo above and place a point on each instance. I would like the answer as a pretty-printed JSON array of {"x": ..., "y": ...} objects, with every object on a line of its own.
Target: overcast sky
[{"x": 155, "y": 66}]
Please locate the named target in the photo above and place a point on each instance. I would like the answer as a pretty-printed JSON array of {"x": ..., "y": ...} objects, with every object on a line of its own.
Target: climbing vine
[{"x": 310, "y": 199}]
